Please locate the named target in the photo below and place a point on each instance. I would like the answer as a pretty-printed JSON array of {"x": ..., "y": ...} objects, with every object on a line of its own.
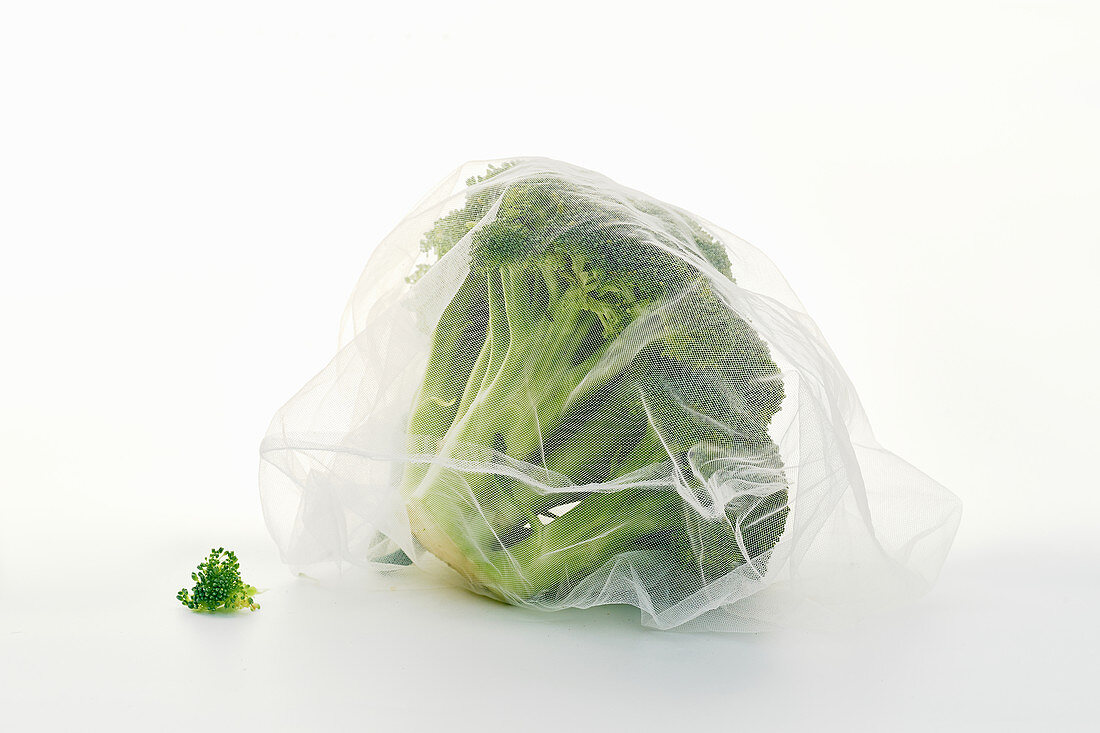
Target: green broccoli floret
[
  {"x": 218, "y": 586},
  {"x": 587, "y": 341}
]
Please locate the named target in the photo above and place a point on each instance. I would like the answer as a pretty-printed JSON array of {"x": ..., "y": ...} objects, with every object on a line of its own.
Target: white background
[{"x": 188, "y": 192}]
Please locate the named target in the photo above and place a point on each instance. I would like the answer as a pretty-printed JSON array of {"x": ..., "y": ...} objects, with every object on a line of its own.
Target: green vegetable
[
  {"x": 218, "y": 586},
  {"x": 587, "y": 351}
]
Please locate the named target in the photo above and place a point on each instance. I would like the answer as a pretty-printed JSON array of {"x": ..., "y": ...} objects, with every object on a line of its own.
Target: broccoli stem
[
  {"x": 477, "y": 376},
  {"x": 451, "y": 360},
  {"x": 553, "y": 556},
  {"x": 538, "y": 355}
]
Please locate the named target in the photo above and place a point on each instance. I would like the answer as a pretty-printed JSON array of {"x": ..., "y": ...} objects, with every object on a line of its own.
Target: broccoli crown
[
  {"x": 589, "y": 342},
  {"x": 218, "y": 585},
  {"x": 625, "y": 255}
]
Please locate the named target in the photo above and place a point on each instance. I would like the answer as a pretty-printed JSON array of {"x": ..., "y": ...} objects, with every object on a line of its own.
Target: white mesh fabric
[{"x": 564, "y": 393}]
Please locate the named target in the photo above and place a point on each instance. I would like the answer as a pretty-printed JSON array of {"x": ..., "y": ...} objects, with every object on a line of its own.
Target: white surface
[
  {"x": 363, "y": 653},
  {"x": 187, "y": 196}
]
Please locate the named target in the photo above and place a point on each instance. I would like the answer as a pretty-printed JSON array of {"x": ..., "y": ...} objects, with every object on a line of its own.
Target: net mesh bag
[{"x": 564, "y": 393}]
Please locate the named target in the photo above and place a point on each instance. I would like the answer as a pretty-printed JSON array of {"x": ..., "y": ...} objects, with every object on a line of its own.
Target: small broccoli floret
[{"x": 218, "y": 586}]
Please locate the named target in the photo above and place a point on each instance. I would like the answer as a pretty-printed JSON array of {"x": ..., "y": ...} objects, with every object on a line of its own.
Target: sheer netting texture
[{"x": 563, "y": 393}]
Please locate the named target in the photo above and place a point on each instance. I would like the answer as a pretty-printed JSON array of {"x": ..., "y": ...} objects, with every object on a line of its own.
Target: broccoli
[
  {"x": 586, "y": 391},
  {"x": 218, "y": 586}
]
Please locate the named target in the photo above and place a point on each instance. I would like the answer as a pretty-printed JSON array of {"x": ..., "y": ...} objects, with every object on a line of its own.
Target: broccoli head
[
  {"x": 589, "y": 394},
  {"x": 218, "y": 586}
]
